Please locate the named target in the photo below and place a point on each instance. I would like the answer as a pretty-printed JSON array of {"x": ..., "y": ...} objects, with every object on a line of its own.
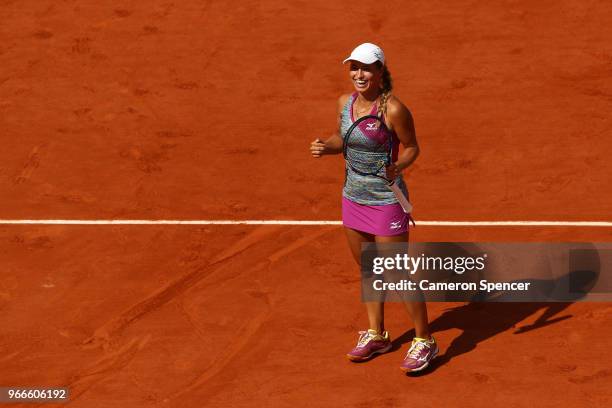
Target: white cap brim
[{"x": 362, "y": 59}]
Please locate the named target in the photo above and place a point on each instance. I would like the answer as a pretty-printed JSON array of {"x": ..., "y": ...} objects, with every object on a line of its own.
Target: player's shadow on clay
[{"x": 480, "y": 320}]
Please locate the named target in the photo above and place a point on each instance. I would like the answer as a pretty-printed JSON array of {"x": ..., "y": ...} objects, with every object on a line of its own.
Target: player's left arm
[{"x": 399, "y": 119}]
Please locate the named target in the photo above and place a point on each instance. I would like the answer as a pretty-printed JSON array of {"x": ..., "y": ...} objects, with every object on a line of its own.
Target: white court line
[{"x": 310, "y": 222}]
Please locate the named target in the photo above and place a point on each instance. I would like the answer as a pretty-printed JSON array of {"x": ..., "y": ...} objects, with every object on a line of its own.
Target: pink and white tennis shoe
[
  {"x": 370, "y": 343},
  {"x": 420, "y": 354}
]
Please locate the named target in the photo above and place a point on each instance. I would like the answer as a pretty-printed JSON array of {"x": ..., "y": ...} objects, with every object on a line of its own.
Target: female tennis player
[{"x": 370, "y": 210}]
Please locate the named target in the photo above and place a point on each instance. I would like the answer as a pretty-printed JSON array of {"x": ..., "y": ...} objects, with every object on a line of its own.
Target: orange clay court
[{"x": 201, "y": 110}]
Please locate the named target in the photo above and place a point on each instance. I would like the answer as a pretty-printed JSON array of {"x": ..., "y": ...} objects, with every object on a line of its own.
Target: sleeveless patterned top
[{"x": 366, "y": 190}]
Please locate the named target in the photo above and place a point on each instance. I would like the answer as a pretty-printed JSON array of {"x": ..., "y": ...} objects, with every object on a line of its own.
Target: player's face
[{"x": 365, "y": 77}]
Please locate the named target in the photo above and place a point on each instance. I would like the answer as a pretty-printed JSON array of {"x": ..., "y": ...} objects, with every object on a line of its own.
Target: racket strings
[
  {"x": 366, "y": 163},
  {"x": 367, "y": 148}
]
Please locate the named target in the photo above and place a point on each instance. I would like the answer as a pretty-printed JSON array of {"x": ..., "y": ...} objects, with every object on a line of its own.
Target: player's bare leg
[
  {"x": 376, "y": 316},
  {"x": 417, "y": 310}
]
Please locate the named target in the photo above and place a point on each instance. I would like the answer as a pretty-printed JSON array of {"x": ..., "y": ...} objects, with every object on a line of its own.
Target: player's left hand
[{"x": 392, "y": 172}]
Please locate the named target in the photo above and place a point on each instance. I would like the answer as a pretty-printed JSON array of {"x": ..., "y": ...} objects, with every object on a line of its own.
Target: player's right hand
[{"x": 317, "y": 148}]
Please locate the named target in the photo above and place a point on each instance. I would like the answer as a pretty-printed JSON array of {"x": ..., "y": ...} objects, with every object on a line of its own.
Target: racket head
[{"x": 368, "y": 146}]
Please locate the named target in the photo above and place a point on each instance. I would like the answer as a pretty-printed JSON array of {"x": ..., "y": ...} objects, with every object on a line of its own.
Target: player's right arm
[{"x": 332, "y": 145}]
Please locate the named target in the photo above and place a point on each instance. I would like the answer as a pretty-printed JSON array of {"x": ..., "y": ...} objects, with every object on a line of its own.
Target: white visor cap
[{"x": 367, "y": 53}]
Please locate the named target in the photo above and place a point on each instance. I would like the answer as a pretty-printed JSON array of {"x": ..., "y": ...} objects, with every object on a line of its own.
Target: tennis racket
[{"x": 374, "y": 154}]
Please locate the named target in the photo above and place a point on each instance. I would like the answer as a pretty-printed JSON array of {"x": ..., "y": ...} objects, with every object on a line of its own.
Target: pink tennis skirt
[{"x": 384, "y": 220}]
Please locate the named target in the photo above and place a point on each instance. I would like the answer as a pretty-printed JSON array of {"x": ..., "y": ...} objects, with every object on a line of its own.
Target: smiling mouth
[{"x": 361, "y": 83}]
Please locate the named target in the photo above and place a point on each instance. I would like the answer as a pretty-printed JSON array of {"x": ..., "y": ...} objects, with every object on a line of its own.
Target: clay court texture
[{"x": 203, "y": 110}]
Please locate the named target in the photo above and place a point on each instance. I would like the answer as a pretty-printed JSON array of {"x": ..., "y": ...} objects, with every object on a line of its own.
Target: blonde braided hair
[{"x": 386, "y": 87}]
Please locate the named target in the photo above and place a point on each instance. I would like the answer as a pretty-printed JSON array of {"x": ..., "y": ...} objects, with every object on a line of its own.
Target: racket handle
[{"x": 401, "y": 198}]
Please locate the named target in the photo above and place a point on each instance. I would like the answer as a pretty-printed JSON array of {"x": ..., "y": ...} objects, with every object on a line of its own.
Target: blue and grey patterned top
[{"x": 366, "y": 190}]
